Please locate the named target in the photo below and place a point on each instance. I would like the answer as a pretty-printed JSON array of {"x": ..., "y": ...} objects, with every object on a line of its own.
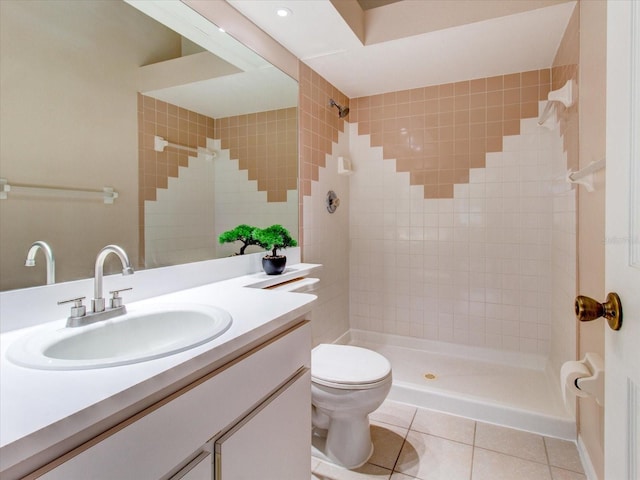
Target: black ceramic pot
[{"x": 274, "y": 265}]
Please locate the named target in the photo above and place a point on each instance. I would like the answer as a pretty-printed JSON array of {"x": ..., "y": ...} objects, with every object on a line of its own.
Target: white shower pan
[{"x": 490, "y": 387}]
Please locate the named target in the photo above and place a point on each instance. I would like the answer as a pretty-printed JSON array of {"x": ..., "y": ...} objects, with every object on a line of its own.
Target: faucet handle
[
  {"x": 78, "y": 309},
  {"x": 116, "y": 299}
]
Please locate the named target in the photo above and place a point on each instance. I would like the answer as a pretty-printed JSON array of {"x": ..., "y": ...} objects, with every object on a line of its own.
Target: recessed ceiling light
[{"x": 283, "y": 12}]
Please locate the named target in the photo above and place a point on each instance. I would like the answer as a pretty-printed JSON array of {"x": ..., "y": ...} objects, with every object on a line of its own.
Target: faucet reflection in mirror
[{"x": 48, "y": 253}]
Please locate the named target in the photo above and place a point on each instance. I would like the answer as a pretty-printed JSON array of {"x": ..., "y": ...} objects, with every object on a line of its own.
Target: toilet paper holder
[{"x": 593, "y": 385}]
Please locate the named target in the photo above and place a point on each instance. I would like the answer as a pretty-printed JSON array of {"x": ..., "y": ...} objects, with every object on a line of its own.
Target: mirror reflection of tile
[{"x": 264, "y": 143}]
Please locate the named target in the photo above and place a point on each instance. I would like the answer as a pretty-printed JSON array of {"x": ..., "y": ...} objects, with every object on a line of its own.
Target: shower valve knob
[
  {"x": 588, "y": 309},
  {"x": 332, "y": 201}
]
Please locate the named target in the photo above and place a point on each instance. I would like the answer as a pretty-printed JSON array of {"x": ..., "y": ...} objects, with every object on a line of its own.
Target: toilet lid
[{"x": 346, "y": 364}]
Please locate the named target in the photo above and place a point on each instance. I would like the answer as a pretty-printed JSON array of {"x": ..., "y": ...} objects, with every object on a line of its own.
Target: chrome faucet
[
  {"x": 79, "y": 315},
  {"x": 48, "y": 253},
  {"x": 97, "y": 304}
]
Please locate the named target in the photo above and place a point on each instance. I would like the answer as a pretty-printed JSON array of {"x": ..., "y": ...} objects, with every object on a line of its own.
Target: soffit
[{"x": 457, "y": 43}]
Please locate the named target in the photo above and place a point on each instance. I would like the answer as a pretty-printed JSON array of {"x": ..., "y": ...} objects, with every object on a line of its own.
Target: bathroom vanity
[
  {"x": 239, "y": 411},
  {"x": 235, "y": 407}
]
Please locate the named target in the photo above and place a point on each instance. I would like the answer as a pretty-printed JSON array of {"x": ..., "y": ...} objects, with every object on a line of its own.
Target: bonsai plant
[
  {"x": 274, "y": 238},
  {"x": 242, "y": 233}
]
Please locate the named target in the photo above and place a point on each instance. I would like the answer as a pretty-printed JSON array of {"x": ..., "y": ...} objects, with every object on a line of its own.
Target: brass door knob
[{"x": 588, "y": 309}]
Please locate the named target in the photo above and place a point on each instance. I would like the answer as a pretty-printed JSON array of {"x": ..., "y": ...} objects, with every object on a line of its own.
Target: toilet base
[
  {"x": 318, "y": 449},
  {"x": 346, "y": 443}
]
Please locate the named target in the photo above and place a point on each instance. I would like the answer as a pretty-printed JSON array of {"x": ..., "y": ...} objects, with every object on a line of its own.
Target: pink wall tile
[
  {"x": 449, "y": 126},
  {"x": 319, "y": 122},
  {"x": 176, "y": 125},
  {"x": 265, "y": 144}
]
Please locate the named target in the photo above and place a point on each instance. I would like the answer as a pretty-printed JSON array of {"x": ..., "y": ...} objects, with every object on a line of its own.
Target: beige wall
[
  {"x": 591, "y": 219},
  {"x": 582, "y": 56},
  {"x": 69, "y": 119}
]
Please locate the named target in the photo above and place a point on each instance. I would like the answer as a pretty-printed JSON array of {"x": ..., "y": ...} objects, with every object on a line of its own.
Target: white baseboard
[{"x": 589, "y": 471}]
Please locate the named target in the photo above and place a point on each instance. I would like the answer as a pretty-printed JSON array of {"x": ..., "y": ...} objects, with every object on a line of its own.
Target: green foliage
[
  {"x": 274, "y": 238},
  {"x": 242, "y": 233}
]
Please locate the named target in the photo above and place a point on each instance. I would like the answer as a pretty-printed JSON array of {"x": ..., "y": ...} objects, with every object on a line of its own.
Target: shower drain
[{"x": 430, "y": 376}]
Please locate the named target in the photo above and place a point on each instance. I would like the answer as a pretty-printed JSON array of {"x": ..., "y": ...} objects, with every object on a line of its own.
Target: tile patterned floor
[{"x": 414, "y": 443}]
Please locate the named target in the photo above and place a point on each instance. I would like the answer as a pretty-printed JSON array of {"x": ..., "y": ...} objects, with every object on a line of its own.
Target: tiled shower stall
[{"x": 457, "y": 225}]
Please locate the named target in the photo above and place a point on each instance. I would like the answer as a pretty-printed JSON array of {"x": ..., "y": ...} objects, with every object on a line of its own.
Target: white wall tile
[{"x": 484, "y": 261}]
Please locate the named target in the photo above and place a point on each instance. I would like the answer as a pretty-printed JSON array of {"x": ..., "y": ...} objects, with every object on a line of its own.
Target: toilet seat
[{"x": 348, "y": 367}]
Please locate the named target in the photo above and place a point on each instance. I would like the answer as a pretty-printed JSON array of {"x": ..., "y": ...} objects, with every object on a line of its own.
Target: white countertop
[{"x": 39, "y": 408}]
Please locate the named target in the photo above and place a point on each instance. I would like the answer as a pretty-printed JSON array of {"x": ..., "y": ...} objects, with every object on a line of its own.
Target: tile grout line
[
  {"x": 473, "y": 448},
  {"x": 544, "y": 444},
  {"x": 546, "y": 452},
  {"x": 515, "y": 456},
  {"x": 404, "y": 440}
]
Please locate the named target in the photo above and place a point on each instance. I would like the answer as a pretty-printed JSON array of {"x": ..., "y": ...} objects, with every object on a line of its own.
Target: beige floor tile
[
  {"x": 401, "y": 476},
  {"x": 512, "y": 442},
  {"x": 387, "y": 442},
  {"x": 328, "y": 471},
  {"x": 442, "y": 425},
  {"x": 433, "y": 458},
  {"x": 562, "y": 474},
  {"x": 489, "y": 465},
  {"x": 394, "y": 413},
  {"x": 563, "y": 454}
]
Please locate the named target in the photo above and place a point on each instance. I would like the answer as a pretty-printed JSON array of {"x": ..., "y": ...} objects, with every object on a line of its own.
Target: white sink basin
[{"x": 137, "y": 336}]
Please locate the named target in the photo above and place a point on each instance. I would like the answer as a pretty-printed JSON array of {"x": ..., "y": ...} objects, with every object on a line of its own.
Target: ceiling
[
  {"x": 413, "y": 43},
  {"x": 369, "y": 4},
  {"x": 225, "y": 79}
]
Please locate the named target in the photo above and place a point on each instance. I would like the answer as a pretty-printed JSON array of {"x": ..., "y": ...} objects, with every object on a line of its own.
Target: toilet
[{"x": 347, "y": 384}]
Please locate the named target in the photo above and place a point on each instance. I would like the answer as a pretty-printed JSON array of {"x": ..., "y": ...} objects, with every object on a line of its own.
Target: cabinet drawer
[{"x": 153, "y": 442}]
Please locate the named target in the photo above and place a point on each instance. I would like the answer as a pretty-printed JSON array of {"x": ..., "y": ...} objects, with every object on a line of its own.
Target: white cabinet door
[
  {"x": 202, "y": 471},
  {"x": 274, "y": 441},
  {"x": 200, "y": 468},
  {"x": 622, "y": 352}
]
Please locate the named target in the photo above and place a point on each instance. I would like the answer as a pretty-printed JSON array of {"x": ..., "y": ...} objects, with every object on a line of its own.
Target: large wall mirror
[{"x": 193, "y": 131}]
